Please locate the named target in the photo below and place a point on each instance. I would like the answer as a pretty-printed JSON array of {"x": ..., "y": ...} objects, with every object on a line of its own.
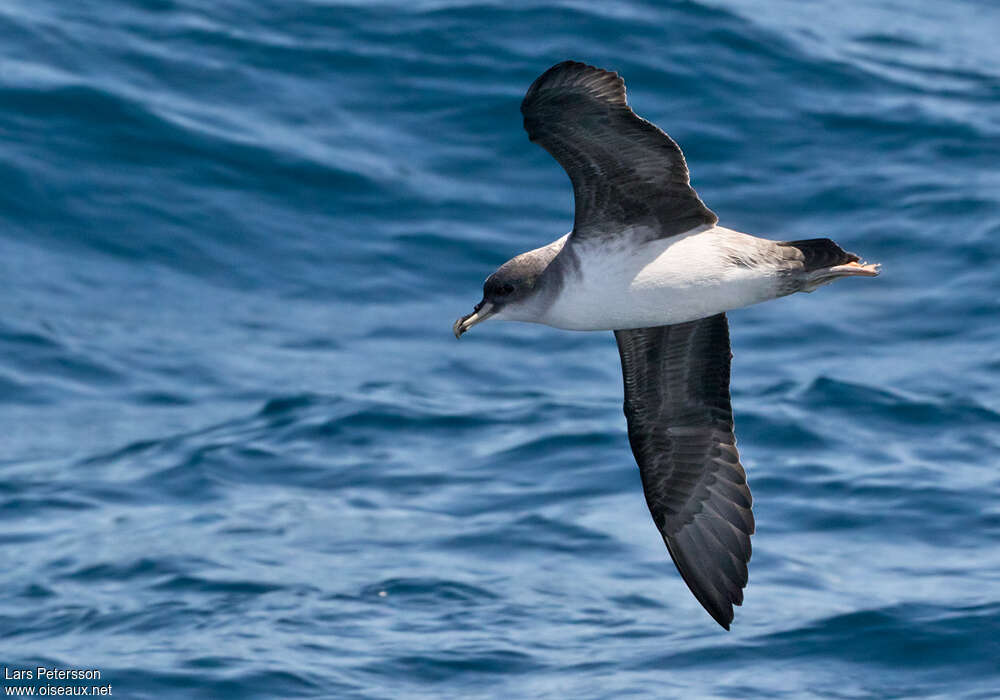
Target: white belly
[{"x": 663, "y": 282}]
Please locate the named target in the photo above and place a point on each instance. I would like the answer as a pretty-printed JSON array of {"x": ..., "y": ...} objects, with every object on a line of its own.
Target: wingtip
[
  {"x": 598, "y": 82},
  {"x": 724, "y": 616},
  {"x": 717, "y": 596}
]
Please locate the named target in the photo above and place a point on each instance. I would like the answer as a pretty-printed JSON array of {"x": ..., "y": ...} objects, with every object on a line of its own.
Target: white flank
[{"x": 663, "y": 282}]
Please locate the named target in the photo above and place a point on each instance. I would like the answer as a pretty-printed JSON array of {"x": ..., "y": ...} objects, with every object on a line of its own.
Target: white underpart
[{"x": 664, "y": 281}]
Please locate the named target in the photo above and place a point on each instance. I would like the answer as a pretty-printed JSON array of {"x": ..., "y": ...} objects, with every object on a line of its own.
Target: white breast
[{"x": 662, "y": 282}]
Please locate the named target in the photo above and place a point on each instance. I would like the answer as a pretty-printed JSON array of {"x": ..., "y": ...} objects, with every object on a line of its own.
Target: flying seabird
[{"x": 647, "y": 259}]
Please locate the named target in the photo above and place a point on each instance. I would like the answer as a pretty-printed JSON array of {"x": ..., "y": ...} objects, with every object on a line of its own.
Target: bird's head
[{"x": 510, "y": 293}]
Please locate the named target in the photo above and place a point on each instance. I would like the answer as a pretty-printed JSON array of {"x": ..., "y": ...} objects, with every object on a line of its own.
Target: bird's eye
[{"x": 507, "y": 289}]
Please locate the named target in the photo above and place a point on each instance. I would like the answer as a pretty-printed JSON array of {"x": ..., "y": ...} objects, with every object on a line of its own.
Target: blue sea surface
[{"x": 243, "y": 456}]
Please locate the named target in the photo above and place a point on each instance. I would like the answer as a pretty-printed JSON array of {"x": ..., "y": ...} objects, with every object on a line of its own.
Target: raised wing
[
  {"x": 625, "y": 171},
  {"x": 680, "y": 426}
]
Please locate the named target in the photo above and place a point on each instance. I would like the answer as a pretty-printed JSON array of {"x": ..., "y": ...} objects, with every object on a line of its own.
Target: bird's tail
[{"x": 823, "y": 261}]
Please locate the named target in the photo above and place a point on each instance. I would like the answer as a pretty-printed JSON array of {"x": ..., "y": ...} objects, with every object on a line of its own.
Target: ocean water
[{"x": 243, "y": 456}]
